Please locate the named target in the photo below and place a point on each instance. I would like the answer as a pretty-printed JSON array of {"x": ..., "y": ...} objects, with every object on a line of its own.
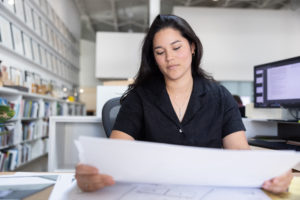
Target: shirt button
[{"x": 180, "y": 130}]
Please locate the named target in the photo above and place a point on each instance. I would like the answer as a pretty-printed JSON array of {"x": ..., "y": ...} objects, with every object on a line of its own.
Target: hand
[
  {"x": 278, "y": 184},
  {"x": 89, "y": 179}
]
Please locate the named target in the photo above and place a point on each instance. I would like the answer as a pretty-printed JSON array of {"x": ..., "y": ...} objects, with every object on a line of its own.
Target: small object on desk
[
  {"x": 19, "y": 187},
  {"x": 277, "y": 145}
]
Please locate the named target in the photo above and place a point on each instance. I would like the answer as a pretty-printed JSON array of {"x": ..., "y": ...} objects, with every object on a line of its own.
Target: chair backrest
[{"x": 109, "y": 114}]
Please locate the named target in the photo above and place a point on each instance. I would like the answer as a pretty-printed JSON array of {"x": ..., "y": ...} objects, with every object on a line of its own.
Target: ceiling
[{"x": 133, "y": 15}]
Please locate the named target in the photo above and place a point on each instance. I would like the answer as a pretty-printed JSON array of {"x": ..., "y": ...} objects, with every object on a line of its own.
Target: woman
[{"x": 174, "y": 101}]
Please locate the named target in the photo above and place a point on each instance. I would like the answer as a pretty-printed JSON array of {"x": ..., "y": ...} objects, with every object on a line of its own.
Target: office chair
[{"x": 109, "y": 114}]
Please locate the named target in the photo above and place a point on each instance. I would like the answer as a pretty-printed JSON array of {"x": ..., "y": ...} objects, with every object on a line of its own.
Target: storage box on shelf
[{"x": 25, "y": 137}]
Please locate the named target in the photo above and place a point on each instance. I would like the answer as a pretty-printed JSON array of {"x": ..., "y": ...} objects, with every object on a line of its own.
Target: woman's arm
[
  {"x": 120, "y": 135},
  {"x": 237, "y": 140}
]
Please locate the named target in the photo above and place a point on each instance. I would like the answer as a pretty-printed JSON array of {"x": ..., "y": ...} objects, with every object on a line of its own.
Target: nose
[{"x": 169, "y": 55}]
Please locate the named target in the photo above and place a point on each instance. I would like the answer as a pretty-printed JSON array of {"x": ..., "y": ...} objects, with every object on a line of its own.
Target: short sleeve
[
  {"x": 232, "y": 120},
  {"x": 130, "y": 117}
]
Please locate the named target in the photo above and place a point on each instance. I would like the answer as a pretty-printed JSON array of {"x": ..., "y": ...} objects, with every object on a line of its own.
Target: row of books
[
  {"x": 30, "y": 131},
  {"x": 29, "y": 108},
  {"x": 22, "y": 153},
  {"x": 7, "y": 134},
  {"x": 8, "y": 160}
]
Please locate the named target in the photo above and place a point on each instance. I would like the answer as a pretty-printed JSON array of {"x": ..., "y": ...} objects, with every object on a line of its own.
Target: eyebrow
[{"x": 176, "y": 41}]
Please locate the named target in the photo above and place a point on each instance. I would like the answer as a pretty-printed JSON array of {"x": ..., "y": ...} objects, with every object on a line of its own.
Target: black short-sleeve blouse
[{"x": 147, "y": 114}]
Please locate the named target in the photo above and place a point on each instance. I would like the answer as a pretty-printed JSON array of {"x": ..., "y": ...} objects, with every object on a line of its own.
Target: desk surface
[{"x": 293, "y": 194}]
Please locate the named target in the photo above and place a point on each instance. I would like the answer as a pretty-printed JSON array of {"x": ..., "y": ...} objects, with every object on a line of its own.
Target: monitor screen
[{"x": 277, "y": 84}]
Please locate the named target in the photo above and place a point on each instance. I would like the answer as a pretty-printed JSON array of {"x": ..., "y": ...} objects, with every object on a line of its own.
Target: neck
[{"x": 180, "y": 86}]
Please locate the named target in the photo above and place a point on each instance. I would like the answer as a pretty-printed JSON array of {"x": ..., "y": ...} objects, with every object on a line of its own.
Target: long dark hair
[{"x": 148, "y": 67}]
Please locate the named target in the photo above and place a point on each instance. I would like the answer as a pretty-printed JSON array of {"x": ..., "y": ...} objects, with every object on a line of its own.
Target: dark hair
[
  {"x": 238, "y": 99},
  {"x": 148, "y": 67}
]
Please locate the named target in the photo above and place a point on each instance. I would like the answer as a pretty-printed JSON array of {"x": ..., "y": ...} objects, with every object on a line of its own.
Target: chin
[{"x": 174, "y": 77}]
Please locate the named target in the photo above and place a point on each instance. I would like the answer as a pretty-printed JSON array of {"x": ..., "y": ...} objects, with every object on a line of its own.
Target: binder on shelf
[
  {"x": 6, "y": 35},
  {"x": 17, "y": 40},
  {"x": 43, "y": 30},
  {"x": 43, "y": 57},
  {"x": 36, "y": 54},
  {"x": 28, "y": 15},
  {"x": 20, "y": 9},
  {"x": 36, "y": 20},
  {"x": 27, "y": 46}
]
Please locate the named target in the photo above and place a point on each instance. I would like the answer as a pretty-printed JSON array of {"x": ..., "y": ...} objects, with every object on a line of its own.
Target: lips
[{"x": 170, "y": 67}]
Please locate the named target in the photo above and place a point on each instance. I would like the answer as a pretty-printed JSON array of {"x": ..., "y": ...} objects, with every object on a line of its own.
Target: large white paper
[
  {"x": 134, "y": 191},
  {"x": 145, "y": 162}
]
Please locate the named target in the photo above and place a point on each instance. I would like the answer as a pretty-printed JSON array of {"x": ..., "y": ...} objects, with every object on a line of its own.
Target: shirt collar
[{"x": 157, "y": 87}]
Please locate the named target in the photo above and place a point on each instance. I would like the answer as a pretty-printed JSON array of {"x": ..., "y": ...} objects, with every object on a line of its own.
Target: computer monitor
[{"x": 277, "y": 84}]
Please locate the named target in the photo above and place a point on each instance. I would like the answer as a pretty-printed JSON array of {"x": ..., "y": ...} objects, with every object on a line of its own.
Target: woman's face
[{"x": 173, "y": 54}]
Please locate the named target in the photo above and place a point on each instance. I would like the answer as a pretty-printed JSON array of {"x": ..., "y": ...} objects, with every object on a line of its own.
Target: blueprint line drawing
[{"x": 173, "y": 192}]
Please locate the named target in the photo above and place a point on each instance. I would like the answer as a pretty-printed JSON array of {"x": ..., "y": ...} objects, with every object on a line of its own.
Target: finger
[
  {"x": 277, "y": 185},
  {"x": 275, "y": 189},
  {"x": 108, "y": 180},
  {"x": 93, "y": 186},
  {"x": 94, "y": 182},
  {"x": 86, "y": 169}
]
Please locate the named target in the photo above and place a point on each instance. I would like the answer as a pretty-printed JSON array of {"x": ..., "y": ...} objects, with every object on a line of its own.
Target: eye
[
  {"x": 176, "y": 48},
  {"x": 159, "y": 53}
]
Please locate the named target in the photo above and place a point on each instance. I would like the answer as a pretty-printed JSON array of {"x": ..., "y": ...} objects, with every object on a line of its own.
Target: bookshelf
[
  {"x": 25, "y": 137},
  {"x": 33, "y": 38}
]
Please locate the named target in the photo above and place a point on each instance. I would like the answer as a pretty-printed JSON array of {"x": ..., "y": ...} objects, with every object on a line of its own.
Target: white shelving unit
[
  {"x": 32, "y": 32},
  {"x": 25, "y": 137},
  {"x": 63, "y": 155}
]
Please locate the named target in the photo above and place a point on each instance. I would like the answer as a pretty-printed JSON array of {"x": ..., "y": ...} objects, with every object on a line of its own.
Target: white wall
[
  {"x": 87, "y": 64},
  {"x": 118, "y": 54},
  {"x": 235, "y": 40},
  {"x": 69, "y": 14}
]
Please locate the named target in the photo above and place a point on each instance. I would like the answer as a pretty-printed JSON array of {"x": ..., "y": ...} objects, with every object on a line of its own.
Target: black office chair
[{"x": 109, "y": 114}]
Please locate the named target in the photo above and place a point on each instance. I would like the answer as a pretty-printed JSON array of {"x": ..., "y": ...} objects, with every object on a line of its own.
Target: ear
[{"x": 193, "y": 48}]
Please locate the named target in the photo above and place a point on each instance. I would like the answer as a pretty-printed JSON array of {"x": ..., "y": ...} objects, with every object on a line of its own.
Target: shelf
[
  {"x": 22, "y": 142},
  {"x": 31, "y": 62},
  {"x": 30, "y": 119},
  {"x": 10, "y": 121},
  {"x": 7, "y": 146},
  {"x": 33, "y": 140},
  {"x": 54, "y": 27},
  {"x": 23, "y": 26},
  {"x": 38, "y": 144}
]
